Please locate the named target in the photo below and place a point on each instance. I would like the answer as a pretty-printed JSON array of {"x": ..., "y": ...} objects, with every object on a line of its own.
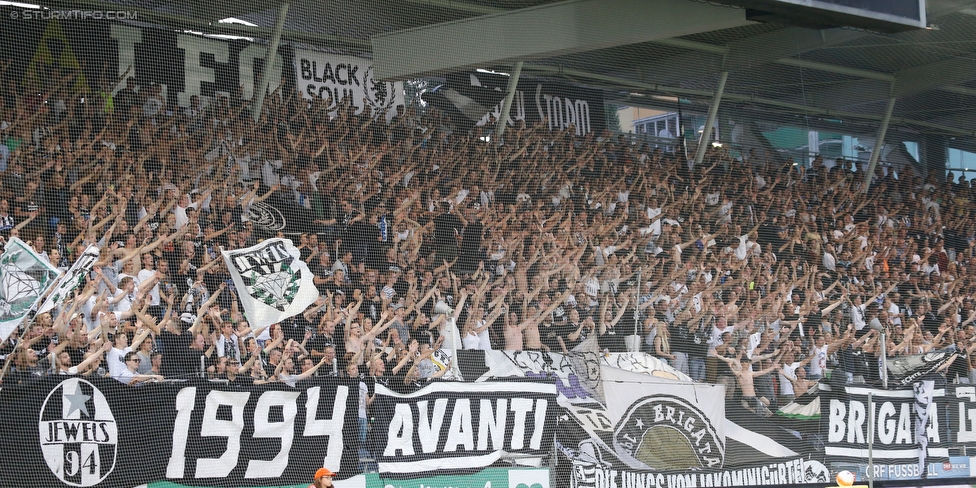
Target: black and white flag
[
  {"x": 70, "y": 281},
  {"x": 272, "y": 282}
]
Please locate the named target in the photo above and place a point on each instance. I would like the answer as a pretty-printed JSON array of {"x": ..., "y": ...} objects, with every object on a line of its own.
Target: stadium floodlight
[{"x": 235, "y": 20}]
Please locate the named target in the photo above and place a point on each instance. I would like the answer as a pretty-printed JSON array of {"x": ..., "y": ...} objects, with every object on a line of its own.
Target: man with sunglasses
[{"x": 129, "y": 375}]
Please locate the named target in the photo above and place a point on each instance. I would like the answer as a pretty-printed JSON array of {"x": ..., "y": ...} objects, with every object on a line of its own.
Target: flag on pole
[
  {"x": 24, "y": 278},
  {"x": 272, "y": 282},
  {"x": 71, "y": 279}
]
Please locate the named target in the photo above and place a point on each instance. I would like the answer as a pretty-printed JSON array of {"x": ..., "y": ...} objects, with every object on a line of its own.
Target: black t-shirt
[
  {"x": 564, "y": 331},
  {"x": 681, "y": 340},
  {"x": 77, "y": 355},
  {"x": 318, "y": 342},
  {"x": 548, "y": 334},
  {"x": 698, "y": 345},
  {"x": 447, "y": 227},
  {"x": 177, "y": 361},
  {"x": 959, "y": 367},
  {"x": 294, "y": 328},
  {"x": 243, "y": 381},
  {"x": 858, "y": 363},
  {"x": 614, "y": 339}
]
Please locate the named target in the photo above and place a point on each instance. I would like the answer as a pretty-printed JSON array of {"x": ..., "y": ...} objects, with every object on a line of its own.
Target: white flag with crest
[
  {"x": 71, "y": 279},
  {"x": 271, "y": 280},
  {"x": 24, "y": 278}
]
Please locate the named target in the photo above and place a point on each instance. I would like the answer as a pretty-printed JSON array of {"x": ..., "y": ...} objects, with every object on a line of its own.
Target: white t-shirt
[
  {"x": 115, "y": 358},
  {"x": 857, "y": 316},
  {"x": 221, "y": 346},
  {"x": 893, "y": 311},
  {"x": 819, "y": 363},
  {"x": 363, "y": 396},
  {"x": 125, "y": 376},
  {"x": 785, "y": 385},
  {"x": 144, "y": 276},
  {"x": 471, "y": 341},
  {"x": 181, "y": 218},
  {"x": 289, "y": 379}
]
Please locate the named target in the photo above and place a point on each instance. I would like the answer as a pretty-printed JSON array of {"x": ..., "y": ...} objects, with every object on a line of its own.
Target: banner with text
[
  {"x": 559, "y": 105},
  {"x": 335, "y": 78},
  {"x": 904, "y": 430},
  {"x": 454, "y": 426},
  {"x": 98, "y": 432},
  {"x": 780, "y": 472},
  {"x": 43, "y": 52}
]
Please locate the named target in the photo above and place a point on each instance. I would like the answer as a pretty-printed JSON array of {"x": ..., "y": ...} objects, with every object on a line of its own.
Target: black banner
[
  {"x": 561, "y": 105},
  {"x": 454, "y": 426},
  {"x": 65, "y": 430},
  {"x": 903, "y": 428},
  {"x": 44, "y": 51}
]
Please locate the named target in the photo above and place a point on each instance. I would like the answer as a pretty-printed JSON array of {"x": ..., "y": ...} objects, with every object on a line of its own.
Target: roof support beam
[
  {"x": 458, "y": 6},
  {"x": 513, "y": 81},
  {"x": 706, "y": 135},
  {"x": 547, "y": 30},
  {"x": 262, "y": 87},
  {"x": 878, "y": 144},
  {"x": 833, "y": 68}
]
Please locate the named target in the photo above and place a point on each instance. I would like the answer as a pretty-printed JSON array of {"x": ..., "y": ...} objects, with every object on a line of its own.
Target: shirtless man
[
  {"x": 514, "y": 332},
  {"x": 742, "y": 370},
  {"x": 800, "y": 384},
  {"x": 530, "y": 326}
]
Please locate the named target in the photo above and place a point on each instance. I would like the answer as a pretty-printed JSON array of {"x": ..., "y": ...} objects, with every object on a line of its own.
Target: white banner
[
  {"x": 333, "y": 77},
  {"x": 663, "y": 424},
  {"x": 71, "y": 279},
  {"x": 779, "y": 472},
  {"x": 24, "y": 278},
  {"x": 272, "y": 282}
]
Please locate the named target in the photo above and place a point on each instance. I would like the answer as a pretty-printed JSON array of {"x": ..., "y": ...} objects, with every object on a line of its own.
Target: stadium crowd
[{"x": 745, "y": 269}]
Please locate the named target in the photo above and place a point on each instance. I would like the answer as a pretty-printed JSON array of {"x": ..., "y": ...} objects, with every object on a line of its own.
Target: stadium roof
[{"x": 643, "y": 52}]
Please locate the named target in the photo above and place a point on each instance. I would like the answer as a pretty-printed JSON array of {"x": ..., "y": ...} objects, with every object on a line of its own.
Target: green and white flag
[
  {"x": 24, "y": 278},
  {"x": 71, "y": 279},
  {"x": 272, "y": 281}
]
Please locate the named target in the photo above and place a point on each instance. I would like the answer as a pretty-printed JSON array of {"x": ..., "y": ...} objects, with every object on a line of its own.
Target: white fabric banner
[
  {"x": 24, "y": 278},
  {"x": 71, "y": 279},
  {"x": 272, "y": 282},
  {"x": 333, "y": 77}
]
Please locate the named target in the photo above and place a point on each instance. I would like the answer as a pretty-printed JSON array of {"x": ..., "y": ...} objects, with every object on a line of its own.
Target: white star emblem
[
  {"x": 640, "y": 423},
  {"x": 77, "y": 401}
]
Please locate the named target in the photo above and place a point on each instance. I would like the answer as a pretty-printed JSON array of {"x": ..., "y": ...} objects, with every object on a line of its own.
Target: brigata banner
[
  {"x": 961, "y": 409},
  {"x": 81, "y": 431},
  {"x": 909, "y": 425},
  {"x": 453, "y": 426}
]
